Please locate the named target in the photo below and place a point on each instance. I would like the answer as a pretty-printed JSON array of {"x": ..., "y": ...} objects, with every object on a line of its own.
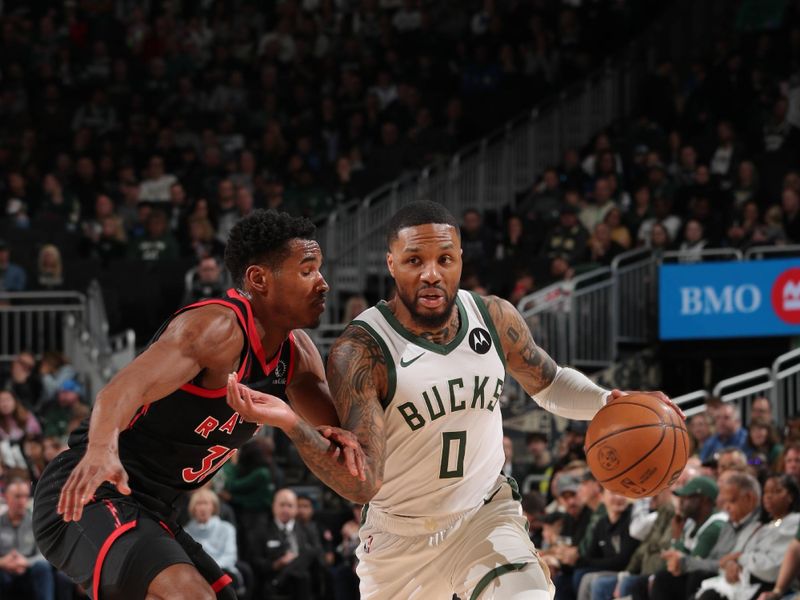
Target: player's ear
[
  {"x": 258, "y": 278},
  {"x": 390, "y": 263}
]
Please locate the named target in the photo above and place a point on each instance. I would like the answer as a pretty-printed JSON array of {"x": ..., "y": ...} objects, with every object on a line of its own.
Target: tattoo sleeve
[
  {"x": 355, "y": 364},
  {"x": 531, "y": 366}
]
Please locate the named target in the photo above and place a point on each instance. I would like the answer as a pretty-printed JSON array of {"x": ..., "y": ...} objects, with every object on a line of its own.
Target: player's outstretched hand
[
  {"x": 258, "y": 407},
  {"x": 615, "y": 394},
  {"x": 350, "y": 448},
  {"x": 98, "y": 465}
]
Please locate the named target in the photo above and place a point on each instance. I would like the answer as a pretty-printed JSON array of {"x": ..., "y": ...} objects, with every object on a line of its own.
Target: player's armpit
[
  {"x": 531, "y": 366},
  {"x": 308, "y": 392},
  {"x": 356, "y": 376}
]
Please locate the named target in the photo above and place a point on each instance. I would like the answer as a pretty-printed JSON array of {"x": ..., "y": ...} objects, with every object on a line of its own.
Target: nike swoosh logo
[{"x": 406, "y": 364}]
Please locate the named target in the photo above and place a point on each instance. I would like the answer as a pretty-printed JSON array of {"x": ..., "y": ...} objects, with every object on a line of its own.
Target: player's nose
[{"x": 430, "y": 274}]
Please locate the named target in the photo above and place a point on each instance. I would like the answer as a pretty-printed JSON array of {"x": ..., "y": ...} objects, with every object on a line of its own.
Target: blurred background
[{"x": 626, "y": 172}]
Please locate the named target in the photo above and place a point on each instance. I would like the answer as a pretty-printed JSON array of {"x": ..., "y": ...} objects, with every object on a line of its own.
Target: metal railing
[
  {"x": 786, "y": 376},
  {"x": 743, "y": 389},
  {"x": 781, "y": 384},
  {"x": 488, "y": 173},
  {"x": 68, "y": 322},
  {"x": 35, "y": 321},
  {"x": 586, "y": 319},
  {"x": 635, "y": 295}
]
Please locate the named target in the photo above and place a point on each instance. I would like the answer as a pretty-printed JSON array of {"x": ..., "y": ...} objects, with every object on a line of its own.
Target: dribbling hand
[
  {"x": 344, "y": 445},
  {"x": 96, "y": 467},
  {"x": 616, "y": 394}
]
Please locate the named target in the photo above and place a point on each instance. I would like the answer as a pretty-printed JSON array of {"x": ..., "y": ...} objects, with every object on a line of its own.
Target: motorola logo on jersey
[{"x": 480, "y": 341}]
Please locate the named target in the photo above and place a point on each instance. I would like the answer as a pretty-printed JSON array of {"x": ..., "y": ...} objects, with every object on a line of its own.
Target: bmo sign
[{"x": 735, "y": 299}]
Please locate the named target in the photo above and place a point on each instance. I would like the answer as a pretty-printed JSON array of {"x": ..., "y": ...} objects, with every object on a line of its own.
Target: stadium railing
[
  {"x": 781, "y": 384},
  {"x": 72, "y": 323},
  {"x": 488, "y": 174},
  {"x": 610, "y": 307}
]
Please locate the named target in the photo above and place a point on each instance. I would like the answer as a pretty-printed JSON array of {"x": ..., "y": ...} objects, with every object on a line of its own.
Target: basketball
[{"x": 636, "y": 446}]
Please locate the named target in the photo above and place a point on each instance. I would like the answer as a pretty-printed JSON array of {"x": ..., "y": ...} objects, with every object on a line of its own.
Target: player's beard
[{"x": 428, "y": 320}]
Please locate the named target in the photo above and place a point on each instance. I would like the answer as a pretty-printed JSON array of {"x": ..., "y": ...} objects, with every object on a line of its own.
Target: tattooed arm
[
  {"x": 531, "y": 366},
  {"x": 562, "y": 391},
  {"x": 357, "y": 378}
]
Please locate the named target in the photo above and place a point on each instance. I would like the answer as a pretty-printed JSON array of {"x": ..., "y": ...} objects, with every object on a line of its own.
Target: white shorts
[{"x": 424, "y": 559}]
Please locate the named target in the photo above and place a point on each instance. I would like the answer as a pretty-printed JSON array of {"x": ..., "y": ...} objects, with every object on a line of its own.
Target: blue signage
[{"x": 731, "y": 299}]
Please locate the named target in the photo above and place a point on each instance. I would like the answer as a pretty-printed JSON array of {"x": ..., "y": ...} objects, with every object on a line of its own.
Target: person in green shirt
[{"x": 249, "y": 485}]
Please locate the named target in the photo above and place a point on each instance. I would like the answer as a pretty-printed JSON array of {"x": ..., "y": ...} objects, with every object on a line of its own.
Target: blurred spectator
[
  {"x": 24, "y": 573},
  {"x": 111, "y": 242},
  {"x": 16, "y": 422},
  {"x": 541, "y": 465},
  {"x": 509, "y": 466},
  {"x": 345, "y": 580},
  {"x": 54, "y": 369},
  {"x": 157, "y": 243},
  {"x": 620, "y": 234},
  {"x": 568, "y": 239},
  {"x": 217, "y": 537},
  {"x": 790, "y": 204},
  {"x": 50, "y": 269},
  {"x": 156, "y": 185},
  {"x": 790, "y": 460},
  {"x": 62, "y": 414},
  {"x": 740, "y": 496},
  {"x": 207, "y": 280},
  {"x": 602, "y": 248},
  {"x": 318, "y": 531},
  {"x": 23, "y": 380},
  {"x": 12, "y": 277},
  {"x": 201, "y": 240},
  {"x": 754, "y": 567},
  {"x": 728, "y": 432},
  {"x": 477, "y": 241},
  {"x": 282, "y": 550},
  {"x": 611, "y": 548},
  {"x": 354, "y": 306},
  {"x": 598, "y": 204},
  {"x": 53, "y": 446},
  {"x": 763, "y": 447},
  {"x": 730, "y": 459},
  {"x": 249, "y": 484},
  {"x": 33, "y": 449},
  {"x": 691, "y": 248},
  {"x": 646, "y": 560},
  {"x": 761, "y": 408},
  {"x": 699, "y": 427}
]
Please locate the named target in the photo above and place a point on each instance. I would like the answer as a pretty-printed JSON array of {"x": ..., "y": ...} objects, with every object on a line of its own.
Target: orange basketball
[{"x": 636, "y": 446}]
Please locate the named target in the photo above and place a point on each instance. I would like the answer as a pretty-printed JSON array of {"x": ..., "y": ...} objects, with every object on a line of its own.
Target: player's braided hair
[
  {"x": 421, "y": 212},
  {"x": 263, "y": 237}
]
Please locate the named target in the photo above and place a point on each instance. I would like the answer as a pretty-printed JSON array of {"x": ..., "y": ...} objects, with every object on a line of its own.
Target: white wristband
[{"x": 572, "y": 395}]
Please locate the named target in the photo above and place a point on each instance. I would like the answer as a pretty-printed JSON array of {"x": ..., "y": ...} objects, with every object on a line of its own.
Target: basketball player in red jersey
[{"x": 161, "y": 427}]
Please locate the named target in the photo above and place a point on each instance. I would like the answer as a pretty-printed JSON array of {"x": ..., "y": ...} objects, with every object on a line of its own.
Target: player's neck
[{"x": 438, "y": 335}]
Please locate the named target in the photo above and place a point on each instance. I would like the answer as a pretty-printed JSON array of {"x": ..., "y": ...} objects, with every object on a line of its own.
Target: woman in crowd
[
  {"x": 763, "y": 444},
  {"x": 16, "y": 421},
  {"x": 744, "y": 575},
  {"x": 217, "y": 537}
]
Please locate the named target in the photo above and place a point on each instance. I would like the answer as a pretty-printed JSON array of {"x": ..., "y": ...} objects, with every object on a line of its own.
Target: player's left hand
[
  {"x": 616, "y": 394},
  {"x": 347, "y": 443},
  {"x": 258, "y": 407}
]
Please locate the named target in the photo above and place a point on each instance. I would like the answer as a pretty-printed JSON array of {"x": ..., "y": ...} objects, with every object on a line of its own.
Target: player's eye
[
  {"x": 413, "y": 260},
  {"x": 446, "y": 259}
]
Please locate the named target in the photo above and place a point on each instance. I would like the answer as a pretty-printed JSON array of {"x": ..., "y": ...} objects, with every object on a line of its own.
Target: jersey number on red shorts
[{"x": 217, "y": 456}]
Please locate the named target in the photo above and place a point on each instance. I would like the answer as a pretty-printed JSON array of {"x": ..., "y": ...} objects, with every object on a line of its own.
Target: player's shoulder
[
  {"x": 357, "y": 341},
  {"x": 213, "y": 324}
]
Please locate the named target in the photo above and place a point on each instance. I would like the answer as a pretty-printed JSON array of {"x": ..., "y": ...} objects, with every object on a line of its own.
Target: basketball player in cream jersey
[{"x": 418, "y": 379}]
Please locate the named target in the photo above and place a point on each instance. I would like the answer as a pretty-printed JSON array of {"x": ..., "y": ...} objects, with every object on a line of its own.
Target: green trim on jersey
[
  {"x": 420, "y": 341},
  {"x": 390, "y": 368},
  {"x": 494, "y": 573},
  {"x": 490, "y": 324}
]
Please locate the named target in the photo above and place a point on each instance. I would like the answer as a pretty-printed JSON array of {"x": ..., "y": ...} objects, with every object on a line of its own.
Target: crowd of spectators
[
  {"x": 138, "y": 133},
  {"x": 729, "y": 528}
]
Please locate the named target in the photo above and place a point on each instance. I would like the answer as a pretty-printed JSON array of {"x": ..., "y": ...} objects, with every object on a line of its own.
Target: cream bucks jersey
[{"x": 444, "y": 434}]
